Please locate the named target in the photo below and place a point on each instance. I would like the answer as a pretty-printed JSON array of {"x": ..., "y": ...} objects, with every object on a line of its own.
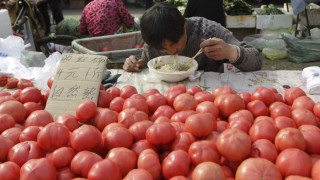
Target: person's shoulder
[{"x": 201, "y": 21}]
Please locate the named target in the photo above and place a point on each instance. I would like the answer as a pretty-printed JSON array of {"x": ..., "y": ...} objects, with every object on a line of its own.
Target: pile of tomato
[{"x": 182, "y": 133}]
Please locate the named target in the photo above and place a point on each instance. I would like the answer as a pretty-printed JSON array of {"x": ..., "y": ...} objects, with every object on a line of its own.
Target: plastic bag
[
  {"x": 11, "y": 46},
  {"x": 302, "y": 50},
  {"x": 274, "y": 54},
  {"x": 261, "y": 41}
]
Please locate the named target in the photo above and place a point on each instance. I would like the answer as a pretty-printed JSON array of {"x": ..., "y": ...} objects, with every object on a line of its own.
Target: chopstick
[{"x": 197, "y": 54}]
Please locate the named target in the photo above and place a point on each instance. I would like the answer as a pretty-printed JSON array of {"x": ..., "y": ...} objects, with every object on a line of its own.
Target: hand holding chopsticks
[{"x": 197, "y": 54}]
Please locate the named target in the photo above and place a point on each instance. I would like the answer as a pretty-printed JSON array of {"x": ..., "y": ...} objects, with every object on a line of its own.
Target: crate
[
  {"x": 313, "y": 11},
  {"x": 274, "y": 21},
  {"x": 242, "y": 21},
  {"x": 120, "y": 46}
]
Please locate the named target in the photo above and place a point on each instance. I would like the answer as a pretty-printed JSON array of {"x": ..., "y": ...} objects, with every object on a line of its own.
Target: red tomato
[
  {"x": 141, "y": 145},
  {"x": 263, "y": 128},
  {"x": 85, "y": 133},
  {"x": 289, "y": 138},
  {"x": 127, "y": 91},
  {"x": 12, "y": 83},
  {"x": 138, "y": 104},
  {"x": 176, "y": 164},
  {"x": 192, "y": 90},
  {"x": 311, "y": 135},
  {"x": 103, "y": 117},
  {"x": 203, "y": 150},
  {"x": 116, "y": 104},
  {"x": 281, "y": 122},
  {"x": 182, "y": 141},
  {"x": 61, "y": 157},
  {"x": 149, "y": 160},
  {"x": 116, "y": 137},
  {"x": 178, "y": 87},
  {"x": 303, "y": 116},
  {"x": 24, "y": 151},
  {"x": 279, "y": 109},
  {"x": 45, "y": 96},
  {"x": 264, "y": 94},
  {"x": 160, "y": 133},
  {"x": 150, "y": 91},
  {"x": 9, "y": 170},
  {"x": 129, "y": 116},
  {"x": 202, "y": 96},
  {"x": 292, "y": 93},
  {"x": 12, "y": 133},
  {"x": 303, "y": 102},
  {"x": 240, "y": 123},
  {"x": 138, "y": 96},
  {"x": 23, "y": 83},
  {"x": 316, "y": 109},
  {"x": 184, "y": 102},
  {"x": 245, "y": 114},
  {"x": 246, "y": 97},
  {"x": 138, "y": 129},
  {"x": 256, "y": 168},
  {"x": 263, "y": 148},
  {"x": 50, "y": 81},
  {"x": 182, "y": 116},
  {"x": 315, "y": 171},
  {"x": 98, "y": 170},
  {"x": 104, "y": 99},
  {"x": 164, "y": 110},
  {"x": 53, "y": 136},
  {"x": 125, "y": 158},
  {"x": 65, "y": 173},
  {"x": 301, "y": 160},
  {"x": 69, "y": 120},
  {"x": 258, "y": 108},
  {"x": 178, "y": 126},
  {"x": 40, "y": 169},
  {"x": 6, "y": 144},
  {"x": 3, "y": 80},
  {"x": 208, "y": 106},
  {"x": 154, "y": 101},
  {"x": 16, "y": 94},
  {"x": 15, "y": 109},
  {"x": 85, "y": 110},
  {"x": 83, "y": 161},
  {"x": 105, "y": 49},
  {"x": 30, "y": 107},
  {"x": 113, "y": 91},
  {"x": 6, "y": 122},
  {"x": 208, "y": 170},
  {"x": 138, "y": 174},
  {"x": 30, "y": 94},
  {"x": 201, "y": 124},
  {"x": 222, "y": 125},
  {"x": 228, "y": 104},
  {"x": 39, "y": 118},
  {"x": 171, "y": 95},
  {"x": 234, "y": 144},
  {"x": 29, "y": 133}
]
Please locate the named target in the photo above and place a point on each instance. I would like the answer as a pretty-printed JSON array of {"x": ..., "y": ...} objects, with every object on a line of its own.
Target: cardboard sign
[{"x": 78, "y": 78}]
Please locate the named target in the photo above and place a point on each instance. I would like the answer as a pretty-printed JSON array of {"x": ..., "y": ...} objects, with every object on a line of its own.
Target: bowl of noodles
[{"x": 172, "y": 68}]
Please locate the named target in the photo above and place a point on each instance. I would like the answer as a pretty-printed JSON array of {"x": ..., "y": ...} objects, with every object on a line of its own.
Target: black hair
[{"x": 163, "y": 21}]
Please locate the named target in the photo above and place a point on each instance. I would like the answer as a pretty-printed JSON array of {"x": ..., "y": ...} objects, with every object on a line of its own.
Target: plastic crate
[{"x": 121, "y": 46}]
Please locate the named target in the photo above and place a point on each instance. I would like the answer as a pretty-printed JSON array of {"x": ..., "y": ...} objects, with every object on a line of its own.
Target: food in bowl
[{"x": 172, "y": 67}]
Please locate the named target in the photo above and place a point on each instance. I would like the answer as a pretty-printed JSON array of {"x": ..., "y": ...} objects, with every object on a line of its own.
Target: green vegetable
[
  {"x": 269, "y": 10},
  {"x": 69, "y": 26},
  {"x": 237, "y": 7},
  {"x": 274, "y": 54}
]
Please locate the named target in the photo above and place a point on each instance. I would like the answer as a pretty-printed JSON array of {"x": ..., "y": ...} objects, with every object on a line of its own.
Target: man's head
[{"x": 163, "y": 27}]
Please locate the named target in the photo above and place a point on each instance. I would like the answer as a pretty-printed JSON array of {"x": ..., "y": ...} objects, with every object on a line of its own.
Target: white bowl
[{"x": 171, "y": 76}]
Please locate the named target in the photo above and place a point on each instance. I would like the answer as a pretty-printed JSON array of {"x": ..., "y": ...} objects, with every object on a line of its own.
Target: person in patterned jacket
[
  {"x": 104, "y": 17},
  {"x": 165, "y": 31}
]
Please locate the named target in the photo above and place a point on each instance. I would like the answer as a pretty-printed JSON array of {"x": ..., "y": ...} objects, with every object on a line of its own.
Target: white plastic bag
[{"x": 12, "y": 46}]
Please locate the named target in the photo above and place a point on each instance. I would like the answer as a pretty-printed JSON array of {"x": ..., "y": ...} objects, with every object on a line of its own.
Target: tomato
[
  {"x": 227, "y": 171},
  {"x": 203, "y": 96},
  {"x": 316, "y": 109},
  {"x": 246, "y": 97},
  {"x": 30, "y": 107},
  {"x": 263, "y": 148},
  {"x": 184, "y": 102},
  {"x": 263, "y": 129},
  {"x": 315, "y": 171},
  {"x": 24, "y": 151},
  {"x": 127, "y": 91},
  {"x": 290, "y": 138},
  {"x": 208, "y": 106},
  {"x": 245, "y": 114},
  {"x": 212, "y": 136},
  {"x": 40, "y": 169},
  {"x": 116, "y": 104},
  {"x": 98, "y": 170},
  {"x": 30, "y": 94},
  {"x": 116, "y": 137},
  {"x": 264, "y": 94},
  {"x": 129, "y": 116},
  {"x": 85, "y": 110},
  {"x": 69, "y": 120},
  {"x": 61, "y": 157},
  {"x": 182, "y": 116},
  {"x": 258, "y": 108},
  {"x": 222, "y": 125},
  {"x": 50, "y": 81},
  {"x": 105, "y": 49},
  {"x": 85, "y": 133},
  {"x": 279, "y": 109},
  {"x": 16, "y": 94},
  {"x": 162, "y": 119},
  {"x": 104, "y": 99},
  {"x": 303, "y": 116},
  {"x": 234, "y": 145},
  {"x": 83, "y": 161},
  {"x": 160, "y": 133},
  {"x": 228, "y": 104},
  {"x": 281, "y": 122},
  {"x": 178, "y": 87},
  {"x": 301, "y": 160},
  {"x": 138, "y": 104},
  {"x": 294, "y": 177},
  {"x": 103, "y": 117},
  {"x": 200, "y": 124},
  {"x": 12, "y": 133},
  {"x": 149, "y": 160},
  {"x": 257, "y": 168},
  {"x": 203, "y": 150},
  {"x": 240, "y": 123},
  {"x": 65, "y": 173},
  {"x": 23, "y": 83},
  {"x": 311, "y": 135},
  {"x": 3, "y": 80},
  {"x": 292, "y": 93},
  {"x": 150, "y": 92},
  {"x": 182, "y": 141},
  {"x": 138, "y": 129},
  {"x": 154, "y": 101},
  {"x": 6, "y": 144},
  {"x": 53, "y": 136},
  {"x": 12, "y": 83},
  {"x": 6, "y": 122},
  {"x": 125, "y": 158},
  {"x": 39, "y": 118},
  {"x": 45, "y": 96},
  {"x": 138, "y": 174},
  {"x": 178, "y": 126},
  {"x": 9, "y": 171},
  {"x": 15, "y": 109},
  {"x": 208, "y": 170},
  {"x": 113, "y": 91},
  {"x": 29, "y": 133},
  {"x": 303, "y": 102},
  {"x": 192, "y": 90},
  {"x": 142, "y": 145},
  {"x": 175, "y": 164},
  {"x": 223, "y": 90},
  {"x": 164, "y": 110}
]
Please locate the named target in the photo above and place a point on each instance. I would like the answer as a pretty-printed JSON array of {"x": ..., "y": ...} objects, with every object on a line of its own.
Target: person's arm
[
  {"x": 83, "y": 25},
  {"x": 126, "y": 18}
]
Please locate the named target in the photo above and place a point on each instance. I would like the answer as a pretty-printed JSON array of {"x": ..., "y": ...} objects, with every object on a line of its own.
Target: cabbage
[{"x": 274, "y": 54}]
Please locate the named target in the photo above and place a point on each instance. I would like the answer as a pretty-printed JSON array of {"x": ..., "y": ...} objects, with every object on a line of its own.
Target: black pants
[{"x": 55, "y": 6}]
